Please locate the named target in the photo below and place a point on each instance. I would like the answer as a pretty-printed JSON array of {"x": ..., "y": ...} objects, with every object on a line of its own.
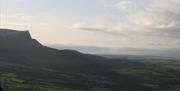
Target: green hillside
[{"x": 26, "y": 65}]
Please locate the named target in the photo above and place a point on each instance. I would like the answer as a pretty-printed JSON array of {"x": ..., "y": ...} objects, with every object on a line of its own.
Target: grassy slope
[{"x": 128, "y": 75}]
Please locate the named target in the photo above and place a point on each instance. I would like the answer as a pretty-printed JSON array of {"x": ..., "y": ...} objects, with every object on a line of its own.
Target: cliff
[{"x": 12, "y": 39}]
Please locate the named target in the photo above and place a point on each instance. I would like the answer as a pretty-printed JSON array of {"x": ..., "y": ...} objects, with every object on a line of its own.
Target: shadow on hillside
[{"x": 1, "y": 89}]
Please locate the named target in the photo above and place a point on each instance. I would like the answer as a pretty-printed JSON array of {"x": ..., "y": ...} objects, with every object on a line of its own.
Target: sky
[{"x": 103, "y": 23}]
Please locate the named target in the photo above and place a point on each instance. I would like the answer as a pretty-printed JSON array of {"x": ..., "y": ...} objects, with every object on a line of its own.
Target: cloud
[
  {"x": 100, "y": 25},
  {"x": 135, "y": 23},
  {"x": 92, "y": 29},
  {"x": 15, "y": 17},
  {"x": 153, "y": 23},
  {"x": 140, "y": 16},
  {"x": 155, "y": 14},
  {"x": 127, "y": 6}
]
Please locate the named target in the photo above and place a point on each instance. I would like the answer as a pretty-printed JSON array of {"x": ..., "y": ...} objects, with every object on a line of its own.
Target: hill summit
[
  {"x": 18, "y": 47},
  {"x": 14, "y": 35},
  {"x": 16, "y": 40}
]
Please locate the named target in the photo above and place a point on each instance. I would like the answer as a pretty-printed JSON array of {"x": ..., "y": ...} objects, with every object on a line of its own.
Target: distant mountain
[
  {"x": 173, "y": 53},
  {"x": 19, "y": 47}
]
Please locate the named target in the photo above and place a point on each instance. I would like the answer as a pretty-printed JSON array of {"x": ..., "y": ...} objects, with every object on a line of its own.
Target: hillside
[
  {"x": 19, "y": 47},
  {"x": 27, "y": 65}
]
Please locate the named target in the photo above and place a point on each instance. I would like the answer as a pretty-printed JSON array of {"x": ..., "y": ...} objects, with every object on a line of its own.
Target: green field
[{"x": 125, "y": 75}]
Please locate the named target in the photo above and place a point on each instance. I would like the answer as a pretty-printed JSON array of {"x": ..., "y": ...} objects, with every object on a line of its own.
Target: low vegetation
[{"x": 125, "y": 75}]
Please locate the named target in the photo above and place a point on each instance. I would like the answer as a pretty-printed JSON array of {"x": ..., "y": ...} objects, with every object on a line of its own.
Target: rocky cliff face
[
  {"x": 7, "y": 34},
  {"x": 16, "y": 40}
]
